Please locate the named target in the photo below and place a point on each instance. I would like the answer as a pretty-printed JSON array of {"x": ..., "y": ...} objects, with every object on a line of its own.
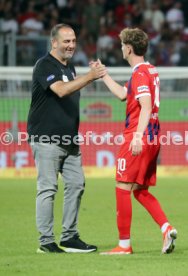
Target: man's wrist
[{"x": 90, "y": 76}]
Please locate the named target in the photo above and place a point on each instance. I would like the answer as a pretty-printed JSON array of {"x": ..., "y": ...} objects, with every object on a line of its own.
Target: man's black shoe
[
  {"x": 75, "y": 245},
  {"x": 50, "y": 248}
]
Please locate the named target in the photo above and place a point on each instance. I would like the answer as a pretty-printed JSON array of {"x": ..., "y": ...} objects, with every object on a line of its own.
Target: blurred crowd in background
[{"x": 98, "y": 23}]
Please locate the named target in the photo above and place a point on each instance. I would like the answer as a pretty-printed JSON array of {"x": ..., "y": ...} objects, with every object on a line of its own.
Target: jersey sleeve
[
  {"x": 141, "y": 85},
  {"x": 47, "y": 73}
]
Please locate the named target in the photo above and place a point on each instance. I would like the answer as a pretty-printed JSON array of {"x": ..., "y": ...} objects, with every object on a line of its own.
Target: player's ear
[{"x": 130, "y": 49}]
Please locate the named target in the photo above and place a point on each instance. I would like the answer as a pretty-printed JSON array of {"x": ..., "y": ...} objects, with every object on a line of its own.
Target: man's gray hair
[{"x": 56, "y": 28}]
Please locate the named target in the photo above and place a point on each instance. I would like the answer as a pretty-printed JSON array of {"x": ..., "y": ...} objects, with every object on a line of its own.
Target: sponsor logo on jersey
[
  {"x": 142, "y": 74},
  {"x": 118, "y": 172},
  {"x": 50, "y": 77},
  {"x": 152, "y": 71},
  {"x": 143, "y": 88},
  {"x": 64, "y": 78}
]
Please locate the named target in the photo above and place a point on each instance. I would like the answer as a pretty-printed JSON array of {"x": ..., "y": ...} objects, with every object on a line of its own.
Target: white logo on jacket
[{"x": 64, "y": 78}]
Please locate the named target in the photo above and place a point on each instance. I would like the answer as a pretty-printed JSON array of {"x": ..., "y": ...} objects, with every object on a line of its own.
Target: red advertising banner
[
  {"x": 100, "y": 143},
  {"x": 174, "y": 140}
]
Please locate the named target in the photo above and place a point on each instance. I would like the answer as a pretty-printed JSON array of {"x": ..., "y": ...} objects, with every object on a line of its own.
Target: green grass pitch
[{"x": 97, "y": 225}]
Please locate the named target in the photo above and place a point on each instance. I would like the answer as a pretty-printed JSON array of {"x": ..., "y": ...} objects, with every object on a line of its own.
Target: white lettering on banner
[
  {"x": 105, "y": 158},
  {"x": 177, "y": 137},
  {"x": 21, "y": 159},
  {"x": 3, "y": 159},
  {"x": 186, "y": 137}
]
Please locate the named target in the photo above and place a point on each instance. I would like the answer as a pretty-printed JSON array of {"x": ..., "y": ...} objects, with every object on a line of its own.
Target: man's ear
[{"x": 54, "y": 43}]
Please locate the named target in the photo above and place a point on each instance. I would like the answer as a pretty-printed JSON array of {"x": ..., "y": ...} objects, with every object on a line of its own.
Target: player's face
[{"x": 65, "y": 43}]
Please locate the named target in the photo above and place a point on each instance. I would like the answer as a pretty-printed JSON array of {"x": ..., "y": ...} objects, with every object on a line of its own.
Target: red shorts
[{"x": 140, "y": 169}]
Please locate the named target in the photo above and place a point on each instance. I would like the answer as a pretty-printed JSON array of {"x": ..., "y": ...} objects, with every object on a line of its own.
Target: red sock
[
  {"x": 124, "y": 213},
  {"x": 152, "y": 206}
]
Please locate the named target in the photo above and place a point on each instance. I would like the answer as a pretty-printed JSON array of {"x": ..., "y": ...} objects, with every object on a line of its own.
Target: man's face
[{"x": 65, "y": 43}]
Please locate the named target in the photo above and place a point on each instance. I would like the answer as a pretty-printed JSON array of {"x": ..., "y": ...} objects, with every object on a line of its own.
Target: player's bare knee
[{"x": 124, "y": 186}]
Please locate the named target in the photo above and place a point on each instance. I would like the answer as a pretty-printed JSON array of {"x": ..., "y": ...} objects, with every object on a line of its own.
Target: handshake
[{"x": 97, "y": 69}]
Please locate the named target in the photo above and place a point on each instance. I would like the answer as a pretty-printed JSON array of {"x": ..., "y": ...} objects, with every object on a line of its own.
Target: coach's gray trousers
[{"x": 51, "y": 159}]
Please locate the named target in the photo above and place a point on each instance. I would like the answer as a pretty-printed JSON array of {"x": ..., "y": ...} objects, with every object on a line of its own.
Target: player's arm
[
  {"x": 118, "y": 90},
  {"x": 144, "y": 117},
  {"x": 145, "y": 113},
  {"x": 66, "y": 88}
]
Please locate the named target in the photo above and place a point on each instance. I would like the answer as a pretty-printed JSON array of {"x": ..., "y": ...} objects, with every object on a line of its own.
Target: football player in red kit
[
  {"x": 137, "y": 159},
  {"x": 142, "y": 169}
]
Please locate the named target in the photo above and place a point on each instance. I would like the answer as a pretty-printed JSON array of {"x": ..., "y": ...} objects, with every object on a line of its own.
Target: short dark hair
[
  {"x": 137, "y": 38},
  {"x": 56, "y": 28}
]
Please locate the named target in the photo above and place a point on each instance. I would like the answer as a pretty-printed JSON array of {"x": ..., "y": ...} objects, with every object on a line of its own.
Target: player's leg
[
  {"x": 124, "y": 213},
  {"x": 126, "y": 173},
  {"x": 47, "y": 164},
  {"x": 74, "y": 181},
  {"x": 147, "y": 177},
  {"x": 151, "y": 204},
  {"x": 124, "y": 218}
]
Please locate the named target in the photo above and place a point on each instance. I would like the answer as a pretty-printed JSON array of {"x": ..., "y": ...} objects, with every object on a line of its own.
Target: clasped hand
[{"x": 98, "y": 68}]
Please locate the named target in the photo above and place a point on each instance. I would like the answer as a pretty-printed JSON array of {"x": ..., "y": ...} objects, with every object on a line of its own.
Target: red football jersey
[{"x": 144, "y": 81}]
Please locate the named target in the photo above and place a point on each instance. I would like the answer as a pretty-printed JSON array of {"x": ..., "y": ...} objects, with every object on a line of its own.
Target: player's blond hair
[{"x": 137, "y": 38}]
